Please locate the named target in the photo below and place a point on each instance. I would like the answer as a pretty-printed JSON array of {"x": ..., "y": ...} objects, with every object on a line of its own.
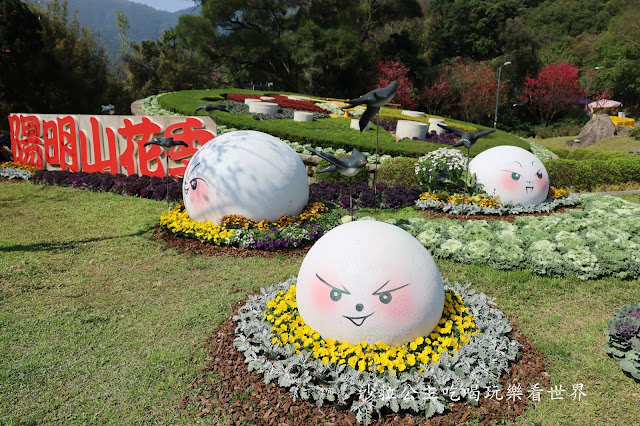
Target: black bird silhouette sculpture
[
  {"x": 374, "y": 100},
  {"x": 466, "y": 139},
  {"x": 209, "y": 108},
  {"x": 349, "y": 166},
  {"x": 166, "y": 143},
  {"x": 108, "y": 109}
]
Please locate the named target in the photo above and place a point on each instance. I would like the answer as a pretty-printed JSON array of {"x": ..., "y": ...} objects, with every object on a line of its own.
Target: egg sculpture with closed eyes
[{"x": 248, "y": 173}]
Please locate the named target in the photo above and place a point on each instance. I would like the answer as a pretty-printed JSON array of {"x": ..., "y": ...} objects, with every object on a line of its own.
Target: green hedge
[
  {"x": 399, "y": 170},
  {"x": 587, "y": 174}
]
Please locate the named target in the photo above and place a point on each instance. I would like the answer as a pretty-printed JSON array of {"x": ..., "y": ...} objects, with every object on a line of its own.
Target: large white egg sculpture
[
  {"x": 249, "y": 173},
  {"x": 370, "y": 281},
  {"x": 511, "y": 173}
]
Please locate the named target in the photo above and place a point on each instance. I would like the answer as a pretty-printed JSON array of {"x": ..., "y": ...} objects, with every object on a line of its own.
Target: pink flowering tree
[
  {"x": 554, "y": 89},
  {"x": 437, "y": 97},
  {"x": 389, "y": 71}
]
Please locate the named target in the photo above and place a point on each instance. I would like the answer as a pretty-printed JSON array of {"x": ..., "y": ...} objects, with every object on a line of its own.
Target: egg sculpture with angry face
[
  {"x": 370, "y": 281},
  {"x": 511, "y": 173}
]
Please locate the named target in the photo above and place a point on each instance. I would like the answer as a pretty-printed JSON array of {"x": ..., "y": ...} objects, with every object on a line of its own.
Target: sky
[{"x": 168, "y": 5}]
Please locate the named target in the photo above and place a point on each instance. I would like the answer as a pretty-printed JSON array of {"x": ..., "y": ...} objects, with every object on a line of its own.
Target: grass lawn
[
  {"x": 615, "y": 144},
  {"x": 334, "y": 132},
  {"x": 100, "y": 324}
]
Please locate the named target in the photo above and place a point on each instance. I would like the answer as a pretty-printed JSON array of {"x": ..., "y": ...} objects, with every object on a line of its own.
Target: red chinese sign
[{"x": 109, "y": 144}]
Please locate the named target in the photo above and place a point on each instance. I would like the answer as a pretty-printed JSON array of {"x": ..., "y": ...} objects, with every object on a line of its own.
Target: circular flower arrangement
[
  {"x": 236, "y": 230},
  {"x": 455, "y": 328},
  {"x": 484, "y": 204},
  {"x": 467, "y": 353}
]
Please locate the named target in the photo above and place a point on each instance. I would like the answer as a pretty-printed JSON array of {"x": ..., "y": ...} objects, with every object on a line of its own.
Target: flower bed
[
  {"x": 486, "y": 205},
  {"x": 600, "y": 238},
  {"x": 623, "y": 339},
  {"x": 13, "y": 170},
  {"x": 424, "y": 387},
  {"x": 362, "y": 195},
  {"x": 282, "y": 101},
  {"x": 138, "y": 186},
  {"x": 235, "y": 230}
]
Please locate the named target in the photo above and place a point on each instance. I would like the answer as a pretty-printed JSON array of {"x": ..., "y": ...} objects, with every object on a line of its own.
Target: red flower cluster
[{"x": 282, "y": 101}]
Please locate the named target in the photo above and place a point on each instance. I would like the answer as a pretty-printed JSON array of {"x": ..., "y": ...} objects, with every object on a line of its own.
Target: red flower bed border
[{"x": 282, "y": 101}]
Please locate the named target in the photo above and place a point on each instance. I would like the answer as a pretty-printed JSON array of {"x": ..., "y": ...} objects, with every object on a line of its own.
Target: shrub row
[{"x": 587, "y": 174}]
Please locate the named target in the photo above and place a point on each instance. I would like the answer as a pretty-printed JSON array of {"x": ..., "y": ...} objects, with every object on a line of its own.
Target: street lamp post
[{"x": 495, "y": 117}]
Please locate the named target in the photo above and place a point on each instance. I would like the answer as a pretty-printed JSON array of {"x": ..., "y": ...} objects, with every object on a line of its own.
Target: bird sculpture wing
[
  {"x": 366, "y": 99},
  {"x": 331, "y": 168},
  {"x": 330, "y": 158},
  {"x": 451, "y": 129},
  {"x": 358, "y": 156},
  {"x": 484, "y": 133},
  {"x": 211, "y": 107},
  {"x": 367, "y": 115},
  {"x": 202, "y": 107}
]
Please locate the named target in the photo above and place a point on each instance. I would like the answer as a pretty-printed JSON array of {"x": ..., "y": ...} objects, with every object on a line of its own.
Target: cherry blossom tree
[{"x": 389, "y": 71}]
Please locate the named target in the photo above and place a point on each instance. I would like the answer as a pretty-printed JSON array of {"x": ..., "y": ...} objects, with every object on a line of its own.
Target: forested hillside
[{"x": 551, "y": 56}]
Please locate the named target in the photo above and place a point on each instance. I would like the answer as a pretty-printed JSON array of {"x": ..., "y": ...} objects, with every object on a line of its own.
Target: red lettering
[
  {"x": 99, "y": 164},
  {"x": 144, "y": 130},
  {"x": 68, "y": 142},
  {"x": 51, "y": 145},
  {"x": 14, "y": 131},
  {"x": 189, "y": 131},
  {"x": 30, "y": 148}
]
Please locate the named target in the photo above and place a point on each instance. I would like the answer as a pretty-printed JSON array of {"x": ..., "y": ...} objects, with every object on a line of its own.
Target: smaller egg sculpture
[
  {"x": 370, "y": 281},
  {"x": 511, "y": 173},
  {"x": 249, "y": 173}
]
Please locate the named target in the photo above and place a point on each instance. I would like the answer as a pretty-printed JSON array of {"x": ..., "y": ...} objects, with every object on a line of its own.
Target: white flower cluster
[
  {"x": 441, "y": 159},
  {"x": 302, "y": 149},
  {"x": 601, "y": 238}
]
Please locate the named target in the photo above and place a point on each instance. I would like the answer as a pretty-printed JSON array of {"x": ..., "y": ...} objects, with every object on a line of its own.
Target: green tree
[
  {"x": 619, "y": 51},
  {"x": 468, "y": 28},
  {"x": 51, "y": 64}
]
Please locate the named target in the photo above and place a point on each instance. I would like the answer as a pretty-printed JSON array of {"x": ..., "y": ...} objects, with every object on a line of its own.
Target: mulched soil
[{"x": 226, "y": 388}]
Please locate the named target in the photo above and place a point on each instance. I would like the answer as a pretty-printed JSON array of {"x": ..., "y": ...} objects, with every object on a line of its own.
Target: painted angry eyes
[
  {"x": 385, "y": 296},
  {"x": 517, "y": 176}
]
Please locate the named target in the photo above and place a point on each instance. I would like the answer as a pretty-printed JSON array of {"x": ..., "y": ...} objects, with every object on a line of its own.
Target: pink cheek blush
[
  {"x": 401, "y": 306},
  {"x": 321, "y": 297},
  {"x": 199, "y": 197},
  {"x": 543, "y": 183},
  {"x": 508, "y": 183}
]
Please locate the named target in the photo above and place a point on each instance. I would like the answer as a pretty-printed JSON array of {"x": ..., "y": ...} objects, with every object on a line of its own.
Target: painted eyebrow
[
  {"x": 375, "y": 293},
  {"x": 518, "y": 163},
  {"x": 337, "y": 289}
]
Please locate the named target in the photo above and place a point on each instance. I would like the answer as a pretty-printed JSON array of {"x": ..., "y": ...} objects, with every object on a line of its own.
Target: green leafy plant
[
  {"x": 445, "y": 170},
  {"x": 399, "y": 170},
  {"x": 623, "y": 341}
]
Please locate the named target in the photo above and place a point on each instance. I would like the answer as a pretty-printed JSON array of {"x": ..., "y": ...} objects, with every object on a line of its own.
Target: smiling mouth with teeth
[
  {"x": 358, "y": 320},
  {"x": 528, "y": 189}
]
